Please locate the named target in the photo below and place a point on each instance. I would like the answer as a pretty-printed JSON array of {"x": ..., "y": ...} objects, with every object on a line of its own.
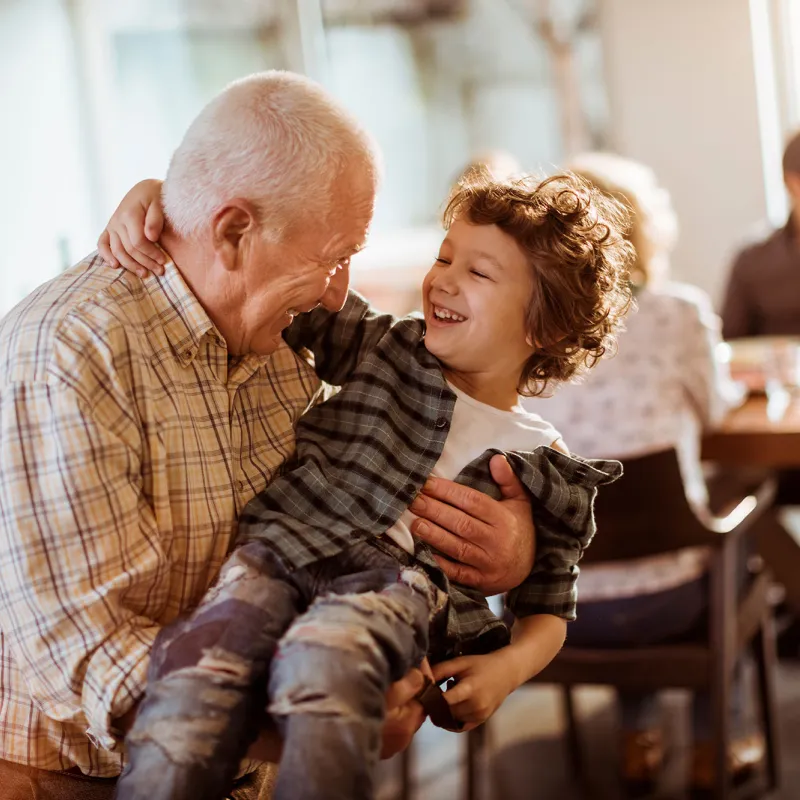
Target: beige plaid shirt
[{"x": 127, "y": 449}]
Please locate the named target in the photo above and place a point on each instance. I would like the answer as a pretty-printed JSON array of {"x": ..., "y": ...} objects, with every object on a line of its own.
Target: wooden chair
[{"x": 642, "y": 514}]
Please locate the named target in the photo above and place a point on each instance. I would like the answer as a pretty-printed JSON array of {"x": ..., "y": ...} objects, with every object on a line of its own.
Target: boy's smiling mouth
[{"x": 442, "y": 314}]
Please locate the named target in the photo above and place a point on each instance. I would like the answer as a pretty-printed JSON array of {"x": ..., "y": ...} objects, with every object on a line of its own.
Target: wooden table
[{"x": 748, "y": 437}]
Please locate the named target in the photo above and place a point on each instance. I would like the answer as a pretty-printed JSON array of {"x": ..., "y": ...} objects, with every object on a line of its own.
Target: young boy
[{"x": 327, "y": 598}]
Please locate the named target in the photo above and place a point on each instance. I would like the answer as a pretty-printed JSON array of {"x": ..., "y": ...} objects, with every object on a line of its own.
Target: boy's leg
[
  {"x": 329, "y": 679},
  {"x": 205, "y": 695}
]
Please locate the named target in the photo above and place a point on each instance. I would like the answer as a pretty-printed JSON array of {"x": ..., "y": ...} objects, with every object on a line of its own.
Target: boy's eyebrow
[{"x": 488, "y": 257}]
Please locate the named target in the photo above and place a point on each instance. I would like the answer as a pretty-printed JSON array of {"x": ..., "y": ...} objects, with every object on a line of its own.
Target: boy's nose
[{"x": 446, "y": 283}]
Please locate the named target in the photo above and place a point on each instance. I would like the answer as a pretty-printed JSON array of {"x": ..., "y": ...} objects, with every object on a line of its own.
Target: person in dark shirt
[{"x": 763, "y": 293}]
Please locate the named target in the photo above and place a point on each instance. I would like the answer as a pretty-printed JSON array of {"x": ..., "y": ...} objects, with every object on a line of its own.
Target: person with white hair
[{"x": 138, "y": 418}]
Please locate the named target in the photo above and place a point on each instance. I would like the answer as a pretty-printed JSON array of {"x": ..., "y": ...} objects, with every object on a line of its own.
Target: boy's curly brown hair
[{"x": 573, "y": 237}]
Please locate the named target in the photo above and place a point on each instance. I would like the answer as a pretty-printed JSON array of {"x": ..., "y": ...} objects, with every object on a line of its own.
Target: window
[{"x": 101, "y": 93}]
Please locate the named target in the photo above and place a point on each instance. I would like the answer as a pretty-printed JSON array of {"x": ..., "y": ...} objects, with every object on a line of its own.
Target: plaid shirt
[
  {"x": 127, "y": 450},
  {"x": 364, "y": 454}
]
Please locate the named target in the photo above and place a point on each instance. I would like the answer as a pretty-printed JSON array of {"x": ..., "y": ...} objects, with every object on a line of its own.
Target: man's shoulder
[
  {"x": 85, "y": 307},
  {"x": 757, "y": 249}
]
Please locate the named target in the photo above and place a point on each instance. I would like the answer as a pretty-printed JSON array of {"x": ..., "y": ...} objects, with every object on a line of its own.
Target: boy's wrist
[{"x": 515, "y": 661}]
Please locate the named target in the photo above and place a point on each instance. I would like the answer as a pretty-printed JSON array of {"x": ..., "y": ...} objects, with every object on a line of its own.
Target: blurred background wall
[{"x": 95, "y": 95}]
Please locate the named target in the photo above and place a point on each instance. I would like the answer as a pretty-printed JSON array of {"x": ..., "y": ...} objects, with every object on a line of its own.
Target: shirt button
[
  {"x": 411, "y": 490},
  {"x": 240, "y": 486},
  {"x": 441, "y": 422}
]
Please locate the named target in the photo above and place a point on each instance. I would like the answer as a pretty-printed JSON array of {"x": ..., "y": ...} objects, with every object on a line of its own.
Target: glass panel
[
  {"x": 101, "y": 93},
  {"x": 441, "y": 82}
]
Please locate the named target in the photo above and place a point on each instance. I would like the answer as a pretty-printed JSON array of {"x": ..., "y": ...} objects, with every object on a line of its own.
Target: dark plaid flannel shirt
[{"x": 364, "y": 454}]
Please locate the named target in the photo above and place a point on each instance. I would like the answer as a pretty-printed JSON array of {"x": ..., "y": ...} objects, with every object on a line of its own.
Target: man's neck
[{"x": 192, "y": 263}]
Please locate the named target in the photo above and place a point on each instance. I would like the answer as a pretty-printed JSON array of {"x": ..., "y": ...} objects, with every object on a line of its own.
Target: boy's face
[{"x": 475, "y": 300}]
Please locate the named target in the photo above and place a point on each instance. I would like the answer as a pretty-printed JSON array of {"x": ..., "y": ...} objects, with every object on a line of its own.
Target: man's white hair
[{"x": 274, "y": 138}]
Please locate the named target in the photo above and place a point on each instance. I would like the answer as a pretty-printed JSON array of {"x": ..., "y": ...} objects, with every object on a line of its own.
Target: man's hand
[
  {"x": 487, "y": 544},
  {"x": 404, "y": 714}
]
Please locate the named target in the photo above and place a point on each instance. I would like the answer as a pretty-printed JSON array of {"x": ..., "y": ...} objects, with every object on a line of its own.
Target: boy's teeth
[{"x": 443, "y": 313}]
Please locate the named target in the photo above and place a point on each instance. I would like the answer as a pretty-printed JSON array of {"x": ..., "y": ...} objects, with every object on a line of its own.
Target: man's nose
[{"x": 336, "y": 293}]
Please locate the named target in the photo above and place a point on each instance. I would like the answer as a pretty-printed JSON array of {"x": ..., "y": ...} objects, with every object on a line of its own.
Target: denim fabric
[{"x": 335, "y": 635}]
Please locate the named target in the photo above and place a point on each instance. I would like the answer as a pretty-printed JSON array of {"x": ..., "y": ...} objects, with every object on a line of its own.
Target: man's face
[{"x": 309, "y": 267}]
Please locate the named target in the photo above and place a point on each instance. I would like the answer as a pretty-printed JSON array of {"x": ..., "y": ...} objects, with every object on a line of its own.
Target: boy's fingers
[
  {"x": 121, "y": 254},
  {"x": 154, "y": 223},
  {"x": 148, "y": 255},
  {"x": 458, "y": 694},
  {"x": 449, "y": 669},
  {"x": 104, "y": 248}
]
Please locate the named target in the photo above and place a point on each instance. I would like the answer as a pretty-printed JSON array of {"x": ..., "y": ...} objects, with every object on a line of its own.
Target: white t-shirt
[{"x": 475, "y": 428}]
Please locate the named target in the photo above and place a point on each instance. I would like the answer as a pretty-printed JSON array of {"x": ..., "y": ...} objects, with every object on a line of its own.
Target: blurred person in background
[
  {"x": 763, "y": 299},
  {"x": 763, "y": 292},
  {"x": 661, "y": 389}
]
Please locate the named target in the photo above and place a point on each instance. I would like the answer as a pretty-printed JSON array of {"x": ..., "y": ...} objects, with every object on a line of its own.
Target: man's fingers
[
  {"x": 425, "y": 668},
  {"x": 445, "y": 542},
  {"x": 456, "y": 495},
  {"x": 460, "y": 573},
  {"x": 399, "y": 727},
  {"x": 458, "y": 533},
  {"x": 405, "y": 690},
  {"x": 510, "y": 485}
]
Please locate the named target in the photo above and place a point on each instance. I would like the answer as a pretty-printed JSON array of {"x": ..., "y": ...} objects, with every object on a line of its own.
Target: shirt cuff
[{"x": 114, "y": 682}]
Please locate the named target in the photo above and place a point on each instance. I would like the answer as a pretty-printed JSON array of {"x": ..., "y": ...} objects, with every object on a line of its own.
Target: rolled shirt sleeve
[{"x": 79, "y": 554}]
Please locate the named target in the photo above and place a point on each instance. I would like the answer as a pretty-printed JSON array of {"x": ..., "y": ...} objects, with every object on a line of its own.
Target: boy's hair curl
[{"x": 574, "y": 239}]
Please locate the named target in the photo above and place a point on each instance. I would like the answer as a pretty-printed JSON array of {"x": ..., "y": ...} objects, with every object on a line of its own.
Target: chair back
[{"x": 645, "y": 512}]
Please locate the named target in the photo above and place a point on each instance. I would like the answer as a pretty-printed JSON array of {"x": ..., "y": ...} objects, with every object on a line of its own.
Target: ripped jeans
[{"x": 321, "y": 645}]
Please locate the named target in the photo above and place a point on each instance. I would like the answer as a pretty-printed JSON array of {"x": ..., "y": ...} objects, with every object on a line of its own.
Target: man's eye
[
  {"x": 342, "y": 263},
  {"x": 440, "y": 260},
  {"x": 479, "y": 274}
]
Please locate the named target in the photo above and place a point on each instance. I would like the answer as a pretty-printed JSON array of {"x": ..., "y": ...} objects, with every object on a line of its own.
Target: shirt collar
[
  {"x": 184, "y": 320},
  {"x": 186, "y": 323}
]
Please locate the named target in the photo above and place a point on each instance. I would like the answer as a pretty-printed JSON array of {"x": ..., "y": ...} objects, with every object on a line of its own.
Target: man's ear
[{"x": 229, "y": 226}]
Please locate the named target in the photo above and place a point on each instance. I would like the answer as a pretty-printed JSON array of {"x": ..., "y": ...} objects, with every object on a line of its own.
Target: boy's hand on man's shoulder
[{"x": 485, "y": 543}]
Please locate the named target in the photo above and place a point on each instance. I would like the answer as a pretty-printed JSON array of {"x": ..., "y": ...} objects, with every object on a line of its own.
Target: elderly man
[{"x": 137, "y": 418}]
